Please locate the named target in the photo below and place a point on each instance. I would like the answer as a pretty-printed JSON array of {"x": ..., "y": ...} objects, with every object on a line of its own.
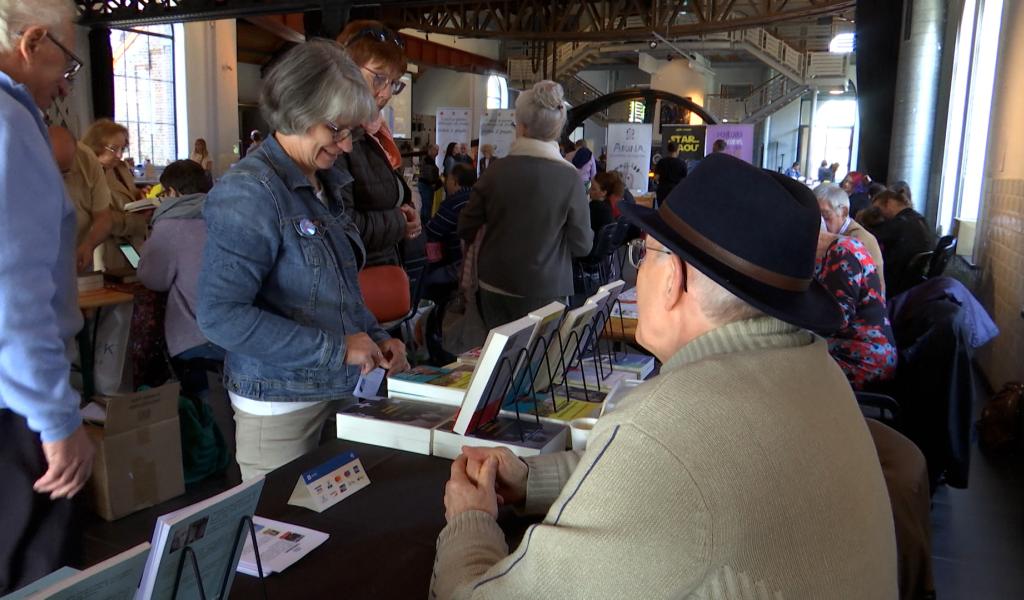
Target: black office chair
[
  {"x": 943, "y": 253},
  {"x": 915, "y": 273},
  {"x": 880, "y": 407}
]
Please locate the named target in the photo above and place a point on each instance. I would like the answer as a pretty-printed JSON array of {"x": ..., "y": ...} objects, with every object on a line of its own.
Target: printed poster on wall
[
  {"x": 690, "y": 139},
  {"x": 629, "y": 153},
  {"x": 452, "y": 126},
  {"x": 498, "y": 128},
  {"x": 739, "y": 140}
]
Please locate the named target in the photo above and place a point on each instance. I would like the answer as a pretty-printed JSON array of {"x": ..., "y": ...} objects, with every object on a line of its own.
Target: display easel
[{"x": 188, "y": 553}]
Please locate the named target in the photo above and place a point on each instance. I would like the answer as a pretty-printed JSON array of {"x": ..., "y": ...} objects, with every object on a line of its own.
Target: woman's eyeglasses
[
  {"x": 381, "y": 35},
  {"x": 339, "y": 134},
  {"x": 380, "y": 82},
  {"x": 117, "y": 150}
]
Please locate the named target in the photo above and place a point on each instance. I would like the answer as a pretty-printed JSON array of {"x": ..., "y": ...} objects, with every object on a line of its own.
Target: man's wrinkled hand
[{"x": 463, "y": 494}]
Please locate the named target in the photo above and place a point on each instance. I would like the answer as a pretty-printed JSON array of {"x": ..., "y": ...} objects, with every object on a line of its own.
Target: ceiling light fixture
[{"x": 842, "y": 43}]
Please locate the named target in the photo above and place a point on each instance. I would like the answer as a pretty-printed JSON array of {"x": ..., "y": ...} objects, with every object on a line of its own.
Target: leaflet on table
[
  {"x": 211, "y": 529},
  {"x": 281, "y": 545},
  {"x": 324, "y": 486},
  {"x": 116, "y": 578}
]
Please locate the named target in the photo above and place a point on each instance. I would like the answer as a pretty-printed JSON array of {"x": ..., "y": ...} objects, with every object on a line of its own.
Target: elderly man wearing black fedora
[{"x": 744, "y": 470}]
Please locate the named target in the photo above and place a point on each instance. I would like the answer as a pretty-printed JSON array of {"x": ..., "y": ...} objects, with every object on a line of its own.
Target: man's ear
[
  {"x": 673, "y": 283},
  {"x": 31, "y": 39}
]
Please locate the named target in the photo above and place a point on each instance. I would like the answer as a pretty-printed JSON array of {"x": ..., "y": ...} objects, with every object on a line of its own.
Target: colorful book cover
[
  {"x": 413, "y": 413},
  {"x": 640, "y": 364},
  {"x": 543, "y": 407}
]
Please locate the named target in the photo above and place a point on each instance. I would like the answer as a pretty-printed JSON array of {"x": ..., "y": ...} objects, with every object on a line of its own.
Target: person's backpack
[
  {"x": 203, "y": 450},
  {"x": 1001, "y": 427}
]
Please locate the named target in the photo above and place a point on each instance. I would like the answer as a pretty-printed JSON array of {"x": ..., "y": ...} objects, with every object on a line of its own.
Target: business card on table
[{"x": 322, "y": 487}]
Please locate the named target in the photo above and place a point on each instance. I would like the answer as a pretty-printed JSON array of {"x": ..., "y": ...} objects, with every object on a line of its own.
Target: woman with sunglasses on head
[
  {"x": 109, "y": 142},
  {"x": 381, "y": 203},
  {"x": 279, "y": 286}
]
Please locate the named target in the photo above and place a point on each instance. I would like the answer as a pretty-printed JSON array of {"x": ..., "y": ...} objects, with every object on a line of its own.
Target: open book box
[{"x": 138, "y": 452}]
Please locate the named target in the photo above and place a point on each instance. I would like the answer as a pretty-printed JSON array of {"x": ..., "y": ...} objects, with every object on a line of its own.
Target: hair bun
[{"x": 549, "y": 94}]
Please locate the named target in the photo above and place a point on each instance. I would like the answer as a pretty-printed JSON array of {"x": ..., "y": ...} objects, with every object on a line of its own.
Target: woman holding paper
[
  {"x": 534, "y": 206},
  {"x": 109, "y": 142},
  {"x": 279, "y": 286}
]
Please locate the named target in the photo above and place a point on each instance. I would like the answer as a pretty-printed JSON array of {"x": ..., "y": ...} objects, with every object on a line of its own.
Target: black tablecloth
[{"x": 382, "y": 537}]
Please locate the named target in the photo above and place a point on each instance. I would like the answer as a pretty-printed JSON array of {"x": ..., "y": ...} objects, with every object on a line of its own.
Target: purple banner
[{"x": 738, "y": 138}]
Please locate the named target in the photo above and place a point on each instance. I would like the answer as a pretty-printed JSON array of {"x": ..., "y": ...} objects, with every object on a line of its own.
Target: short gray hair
[
  {"x": 312, "y": 83},
  {"x": 834, "y": 195},
  {"x": 18, "y": 15},
  {"x": 541, "y": 110},
  {"x": 718, "y": 304}
]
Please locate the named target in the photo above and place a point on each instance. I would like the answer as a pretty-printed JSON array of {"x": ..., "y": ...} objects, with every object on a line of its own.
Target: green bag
[{"x": 203, "y": 451}]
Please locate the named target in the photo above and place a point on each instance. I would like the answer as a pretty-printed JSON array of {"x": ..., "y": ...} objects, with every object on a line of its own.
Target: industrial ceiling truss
[{"x": 540, "y": 20}]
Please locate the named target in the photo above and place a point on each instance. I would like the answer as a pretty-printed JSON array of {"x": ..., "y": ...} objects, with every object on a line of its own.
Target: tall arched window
[{"x": 497, "y": 92}]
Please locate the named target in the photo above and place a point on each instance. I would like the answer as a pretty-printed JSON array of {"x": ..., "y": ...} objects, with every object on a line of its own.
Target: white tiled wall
[{"x": 1001, "y": 258}]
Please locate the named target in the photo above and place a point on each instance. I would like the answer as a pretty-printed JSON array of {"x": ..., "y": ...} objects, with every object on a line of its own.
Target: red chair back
[{"x": 386, "y": 292}]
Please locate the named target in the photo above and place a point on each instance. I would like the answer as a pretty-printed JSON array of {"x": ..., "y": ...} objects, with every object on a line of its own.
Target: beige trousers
[{"x": 264, "y": 443}]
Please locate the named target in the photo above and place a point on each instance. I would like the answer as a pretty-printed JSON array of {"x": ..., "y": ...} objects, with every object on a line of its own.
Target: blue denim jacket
[{"x": 279, "y": 286}]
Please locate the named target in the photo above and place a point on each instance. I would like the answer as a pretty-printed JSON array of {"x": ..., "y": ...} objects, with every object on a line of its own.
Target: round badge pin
[{"x": 307, "y": 228}]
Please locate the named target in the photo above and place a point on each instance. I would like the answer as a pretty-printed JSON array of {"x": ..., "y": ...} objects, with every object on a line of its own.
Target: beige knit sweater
[{"x": 744, "y": 471}]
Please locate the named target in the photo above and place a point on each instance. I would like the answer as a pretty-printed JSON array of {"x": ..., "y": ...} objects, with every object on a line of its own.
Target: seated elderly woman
[
  {"x": 534, "y": 206},
  {"x": 864, "y": 345},
  {"x": 834, "y": 205},
  {"x": 279, "y": 288}
]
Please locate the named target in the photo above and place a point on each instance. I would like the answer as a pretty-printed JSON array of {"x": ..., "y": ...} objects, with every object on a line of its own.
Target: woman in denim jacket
[{"x": 279, "y": 287}]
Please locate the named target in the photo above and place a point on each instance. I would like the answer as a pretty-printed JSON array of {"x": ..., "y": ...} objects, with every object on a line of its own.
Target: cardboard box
[{"x": 138, "y": 452}]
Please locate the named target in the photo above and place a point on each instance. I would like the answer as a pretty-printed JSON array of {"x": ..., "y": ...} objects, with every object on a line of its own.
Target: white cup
[{"x": 580, "y": 430}]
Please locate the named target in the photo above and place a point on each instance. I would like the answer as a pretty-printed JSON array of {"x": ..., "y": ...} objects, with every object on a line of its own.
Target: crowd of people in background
[{"x": 262, "y": 272}]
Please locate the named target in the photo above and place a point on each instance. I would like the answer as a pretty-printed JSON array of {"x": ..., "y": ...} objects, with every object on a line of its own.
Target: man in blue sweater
[{"x": 47, "y": 456}]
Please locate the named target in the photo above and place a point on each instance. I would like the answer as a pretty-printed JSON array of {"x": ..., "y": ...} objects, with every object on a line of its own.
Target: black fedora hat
[{"x": 752, "y": 231}]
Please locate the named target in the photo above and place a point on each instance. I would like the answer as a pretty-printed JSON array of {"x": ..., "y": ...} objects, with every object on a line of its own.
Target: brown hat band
[{"x": 705, "y": 245}]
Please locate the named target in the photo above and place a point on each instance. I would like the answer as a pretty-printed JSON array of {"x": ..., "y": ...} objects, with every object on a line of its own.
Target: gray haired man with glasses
[{"x": 47, "y": 456}]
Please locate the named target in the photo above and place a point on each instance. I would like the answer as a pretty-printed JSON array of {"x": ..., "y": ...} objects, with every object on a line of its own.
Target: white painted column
[{"x": 211, "y": 90}]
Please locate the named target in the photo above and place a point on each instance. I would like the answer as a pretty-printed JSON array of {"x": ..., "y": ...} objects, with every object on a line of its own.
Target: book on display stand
[{"x": 195, "y": 550}]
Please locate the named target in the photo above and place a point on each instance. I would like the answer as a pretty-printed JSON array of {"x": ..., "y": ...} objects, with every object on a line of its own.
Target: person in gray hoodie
[{"x": 170, "y": 262}]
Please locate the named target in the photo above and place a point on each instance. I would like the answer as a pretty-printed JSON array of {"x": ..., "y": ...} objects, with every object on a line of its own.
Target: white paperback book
[
  {"x": 116, "y": 578},
  {"x": 499, "y": 361},
  {"x": 211, "y": 529},
  {"x": 571, "y": 334},
  {"x": 398, "y": 423}
]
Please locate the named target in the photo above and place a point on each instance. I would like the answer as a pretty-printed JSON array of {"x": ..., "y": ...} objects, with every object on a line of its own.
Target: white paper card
[
  {"x": 321, "y": 488},
  {"x": 369, "y": 384}
]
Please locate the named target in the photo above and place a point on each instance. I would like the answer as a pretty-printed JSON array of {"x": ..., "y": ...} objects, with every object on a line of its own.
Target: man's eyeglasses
[
  {"x": 74, "y": 63},
  {"x": 382, "y": 81},
  {"x": 339, "y": 134},
  {"x": 381, "y": 35},
  {"x": 637, "y": 252}
]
